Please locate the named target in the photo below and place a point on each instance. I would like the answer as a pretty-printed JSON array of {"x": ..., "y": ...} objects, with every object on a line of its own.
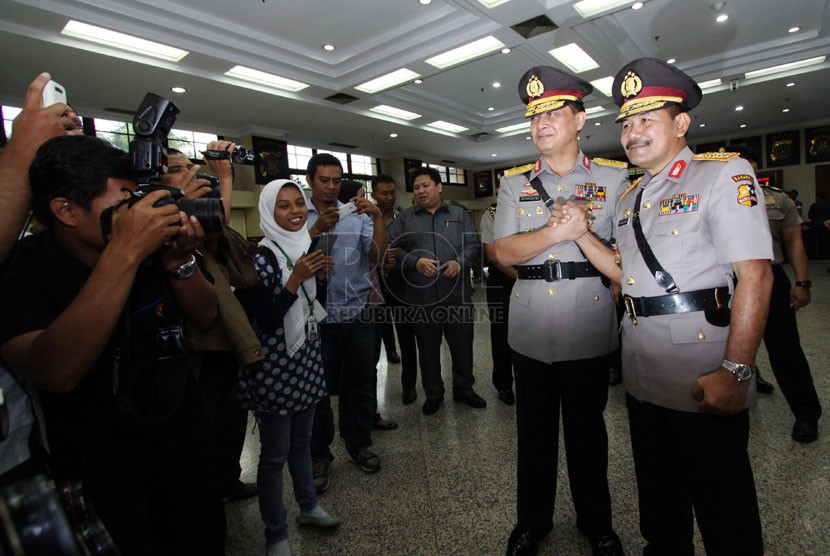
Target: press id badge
[{"x": 311, "y": 327}]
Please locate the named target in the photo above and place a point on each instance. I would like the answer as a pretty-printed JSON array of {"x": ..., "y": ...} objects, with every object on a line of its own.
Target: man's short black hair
[
  {"x": 75, "y": 167},
  {"x": 576, "y": 105},
  {"x": 322, "y": 159},
  {"x": 382, "y": 178},
  {"x": 433, "y": 174},
  {"x": 171, "y": 150}
]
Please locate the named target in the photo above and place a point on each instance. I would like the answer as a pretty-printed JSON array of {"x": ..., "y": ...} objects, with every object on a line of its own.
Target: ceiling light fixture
[
  {"x": 702, "y": 125},
  {"x": 122, "y": 41},
  {"x": 447, "y": 126},
  {"x": 505, "y": 50},
  {"x": 494, "y": 155},
  {"x": 709, "y": 84},
  {"x": 262, "y": 78},
  {"x": 791, "y": 84},
  {"x": 393, "y": 135},
  {"x": 604, "y": 85},
  {"x": 742, "y": 126},
  {"x": 424, "y": 2},
  {"x": 590, "y": 8},
  {"x": 418, "y": 81},
  {"x": 671, "y": 60},
  {"x": 593, "y": 110},
  {"x": 490, "y": 108},
  {"x": 515, "y": 127},
  {"x": 466, "y": 52},
  {"x": 785, "y": 110},
  {"x": 721, "y": 18},
  {"x": 785, "y": 67},
  {"x": 597, "y": 123},
  {"x": 576, "y": 59},
  {"x": 739, "y": 108},
  {"x": 328, "y": 47},
  {"x": 496, "y": 84},
  {"x": 387, "y": 81},
  {"x": 179, "y": 90},
  {"x": 395, "y": 112},
  {"x": 637, "y": 5},
  {"x": 493, "y": 3},
  {"x": 795, "y": 29}
]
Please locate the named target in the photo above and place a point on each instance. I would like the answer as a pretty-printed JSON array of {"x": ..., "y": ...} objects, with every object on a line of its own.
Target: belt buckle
[
  {"x": 550, "y": 275},
  {"x": 628, "y": 301}
]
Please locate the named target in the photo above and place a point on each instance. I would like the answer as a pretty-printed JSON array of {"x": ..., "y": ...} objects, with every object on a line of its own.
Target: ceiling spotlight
[
  {"x": 393, "y": 135},
  {"x": 496, "y": 85},
  {"x": 490, "y": 108},
  {"x": 597, "y": 123},
  {"x": 178, "y": 90},
  {"x": 786, "y": 110},
  {"x": 795, "y": 29},
  {"x": 742, "y": 126},
  {"x": 702, "y": 125},
  {"x": 424, "y": 2},
  {"x": 505, "y": 50},
  {"x": 791, "y": 84},
  {"x": 739, "y": 108},
  {"x": 671, "y": 60},
  {"x": 721, "y": 18},
  {"x": 328, "y": 47},
  {"x": 528, "y": 137},
  {"x": 637, "y": 5},
  {"x": 494, "y": 155},
  {"x": 418, "y": 81}
]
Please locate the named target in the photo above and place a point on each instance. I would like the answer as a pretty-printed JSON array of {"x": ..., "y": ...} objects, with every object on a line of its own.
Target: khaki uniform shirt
[
  {"x": 781, "y": 213},
  {"x": 564, "y": 320},
  {"x": 698, "y": 218}
]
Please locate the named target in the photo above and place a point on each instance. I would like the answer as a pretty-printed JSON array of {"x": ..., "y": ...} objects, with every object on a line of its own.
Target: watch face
[{"x": 743, "y": 372}]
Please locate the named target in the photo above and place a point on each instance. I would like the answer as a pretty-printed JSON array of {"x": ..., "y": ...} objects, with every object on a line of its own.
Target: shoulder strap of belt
[
  {"x": 662, "y": 276},
  {"x": 537, "y": 185}
]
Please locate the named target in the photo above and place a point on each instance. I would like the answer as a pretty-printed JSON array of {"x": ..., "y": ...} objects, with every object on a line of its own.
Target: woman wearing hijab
[{"x": 283, "y": 394}]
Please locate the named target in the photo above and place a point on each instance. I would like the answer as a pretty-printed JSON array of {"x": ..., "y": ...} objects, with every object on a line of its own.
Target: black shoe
[
  {"x": 238, "y": 490},
  {"x": 470, "y": 398},
  {"x": 614, "y": 376},
  {"x": 320, "y": 472},
  {"x": 367, "y": 460},
  {"x": 431, "y": 406},
  {"x": 761, "y": 385},
  {"x": 523, "y": 542},
  {"x": 393, "y": 358},
  {"x": 381, "y": 424},
  {"x": 805, "y": 432},
  {"x": 507, "y": 397},
  {"x": 607, "y": 545},
  {"x": 409, "y": 396}
]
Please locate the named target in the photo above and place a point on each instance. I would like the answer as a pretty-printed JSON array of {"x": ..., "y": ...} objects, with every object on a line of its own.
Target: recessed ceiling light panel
[
  {"x": 263, "y": 78},
  {"x": 572, "y": 56},
  {"x": 786, "y": 67},
  {"x": 395, "y": 112},
  {"x": 447, "y": 126},
  {"x": 590, "y": 8},
  {"x": 466, "y": 52},
  {"x": 387, "y": 81},
  {"x": 122, "y": 41}
]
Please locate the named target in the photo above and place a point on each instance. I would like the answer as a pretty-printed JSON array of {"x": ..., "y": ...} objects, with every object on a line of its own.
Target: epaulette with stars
[
  {"x": 609, "y": 162},
  {"x": 519, "y": 170},
  {"x": 719, "y": 157}
]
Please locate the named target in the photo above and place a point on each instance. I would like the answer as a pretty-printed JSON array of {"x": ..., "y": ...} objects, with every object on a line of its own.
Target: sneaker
[
  {"x": 367, "y": 460},
  {"x": 318, "y": 518},
  {"x": 320, "y": 472}
]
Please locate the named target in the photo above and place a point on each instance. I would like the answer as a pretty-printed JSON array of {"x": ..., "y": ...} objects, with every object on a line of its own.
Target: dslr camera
[
  {"x": 148, "y": 163},
  {"x": 240, "y": 155}
]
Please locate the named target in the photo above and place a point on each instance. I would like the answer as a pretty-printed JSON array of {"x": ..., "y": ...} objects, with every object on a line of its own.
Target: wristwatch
[
  {"x": 742, "y": 372},
  {"x": 185, "y": 271},
  {"x": 804, "y": 284}
]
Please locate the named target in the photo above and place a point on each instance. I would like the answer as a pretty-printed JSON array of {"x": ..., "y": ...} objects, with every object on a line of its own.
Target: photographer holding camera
[{"x": 97, "y": 327}]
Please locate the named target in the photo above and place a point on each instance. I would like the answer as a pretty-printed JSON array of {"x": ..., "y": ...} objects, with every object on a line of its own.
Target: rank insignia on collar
[
  {"x": 677, "y": 170},
  {"x": 586, "y": 162},
  {"x": 538, "y": 167},
  {"x": 679, "y": 204}
]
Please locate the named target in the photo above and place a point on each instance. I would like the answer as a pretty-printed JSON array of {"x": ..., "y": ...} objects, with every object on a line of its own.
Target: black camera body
[
  {"x": 240, "y": 155},
  {"x": 148, "y": 163}
]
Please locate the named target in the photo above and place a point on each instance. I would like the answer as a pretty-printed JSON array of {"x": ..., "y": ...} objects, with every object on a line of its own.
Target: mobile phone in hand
[
  {"x": 53, "y": 93},
  {"x": 324, "y": 243}
]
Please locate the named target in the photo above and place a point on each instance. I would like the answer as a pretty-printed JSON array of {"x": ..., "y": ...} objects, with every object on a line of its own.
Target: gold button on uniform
[
  {"x": 647, "y": 204},
  {"x": 561, "y": 188},
  {"x": 701, "y": 336},
  {"x": 629, "y": 281},
  {"x": 627, "y": 212},
  {"x": 552, "y": 256},
  {"x": 596, "y": 298},
  {"x": 674, "y": 231},
  {"x": 551, "y": 292},
  {"x": 517, "y": 294}
]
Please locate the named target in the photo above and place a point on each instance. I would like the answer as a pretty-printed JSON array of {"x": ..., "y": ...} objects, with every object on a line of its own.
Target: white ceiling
[{"x": 374, "y": 37}]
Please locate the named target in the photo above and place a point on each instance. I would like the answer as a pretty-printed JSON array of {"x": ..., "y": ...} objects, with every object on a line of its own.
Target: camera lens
[{"x": 209, "y": 212}]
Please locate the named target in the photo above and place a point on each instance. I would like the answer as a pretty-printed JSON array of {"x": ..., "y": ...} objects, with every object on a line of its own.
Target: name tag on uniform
[
  {"x": 530, "y": 198},
  {"x": 623, "y": 222}
]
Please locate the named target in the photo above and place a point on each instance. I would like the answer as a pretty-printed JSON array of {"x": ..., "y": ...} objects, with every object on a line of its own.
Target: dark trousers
[
  {"x": 499, "y": 286},
  {"x": 789, "y": 365},
  {"x": 694, "y": 464},
  {"x": 455, "y": 323},
  {"x": 226, "y": 417},
  {"x": 581, "y": 389},
  {"x": 348, "y": 352}
]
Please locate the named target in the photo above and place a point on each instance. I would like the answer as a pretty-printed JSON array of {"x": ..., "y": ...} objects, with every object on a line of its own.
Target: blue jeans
[{"x": 284, "y": 438}]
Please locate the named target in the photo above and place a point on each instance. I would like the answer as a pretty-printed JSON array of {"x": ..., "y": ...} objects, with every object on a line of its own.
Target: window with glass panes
[
  {"x": 356, "y": 167},
  {"x": 450, "y": 174}
]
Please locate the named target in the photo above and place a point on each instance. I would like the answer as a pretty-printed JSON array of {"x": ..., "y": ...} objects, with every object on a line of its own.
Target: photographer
[
  {"x": 232, "y": 343},
  {"x": 35, "y": 124},
  {"x": 96, "y": 315}
]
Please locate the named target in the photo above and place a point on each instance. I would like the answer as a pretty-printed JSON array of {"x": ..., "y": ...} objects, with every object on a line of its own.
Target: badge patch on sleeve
[
  {"x": 746, "y": 191},
  {"x": 590, "y": 192},
  {"x": 680, "y": 203}
]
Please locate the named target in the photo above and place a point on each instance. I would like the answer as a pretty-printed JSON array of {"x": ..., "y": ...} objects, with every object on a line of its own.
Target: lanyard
[{"x": 291, "y": 268}]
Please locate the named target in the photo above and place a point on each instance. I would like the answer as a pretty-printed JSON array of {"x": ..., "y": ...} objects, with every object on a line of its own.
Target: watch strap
[{"x": 807, "y": 284}]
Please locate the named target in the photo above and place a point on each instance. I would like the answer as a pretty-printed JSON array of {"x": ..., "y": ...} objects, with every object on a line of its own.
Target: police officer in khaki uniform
[
  {"x": 683, "y": 231},
  {"x": 789, "y": 364},
  {"x": 562, "y": 317}
]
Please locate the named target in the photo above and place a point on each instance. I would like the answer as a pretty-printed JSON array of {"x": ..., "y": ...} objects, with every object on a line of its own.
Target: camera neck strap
[{"x": 661, "y": 275}]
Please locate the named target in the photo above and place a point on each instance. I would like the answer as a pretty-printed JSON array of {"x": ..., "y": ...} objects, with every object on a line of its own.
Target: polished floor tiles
[{"x": 447, "y": 486}]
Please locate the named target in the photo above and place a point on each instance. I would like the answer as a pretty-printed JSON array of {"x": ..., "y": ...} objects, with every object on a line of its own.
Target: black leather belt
[
  {"x": 689, "y": 302},
  {"x": 551, "y": 271}
]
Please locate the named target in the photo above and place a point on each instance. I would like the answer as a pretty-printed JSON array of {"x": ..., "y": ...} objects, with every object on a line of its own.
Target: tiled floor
[{"x": 448, "y": 480}]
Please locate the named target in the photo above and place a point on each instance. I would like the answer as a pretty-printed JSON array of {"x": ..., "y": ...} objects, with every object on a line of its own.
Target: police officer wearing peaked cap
[
  {"x": 561, "y": 322},
  {"x": 691, "y": 333}
]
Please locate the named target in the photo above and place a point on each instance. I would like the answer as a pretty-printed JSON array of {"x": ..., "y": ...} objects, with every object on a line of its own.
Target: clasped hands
[{"x": 570, "y": 221}]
